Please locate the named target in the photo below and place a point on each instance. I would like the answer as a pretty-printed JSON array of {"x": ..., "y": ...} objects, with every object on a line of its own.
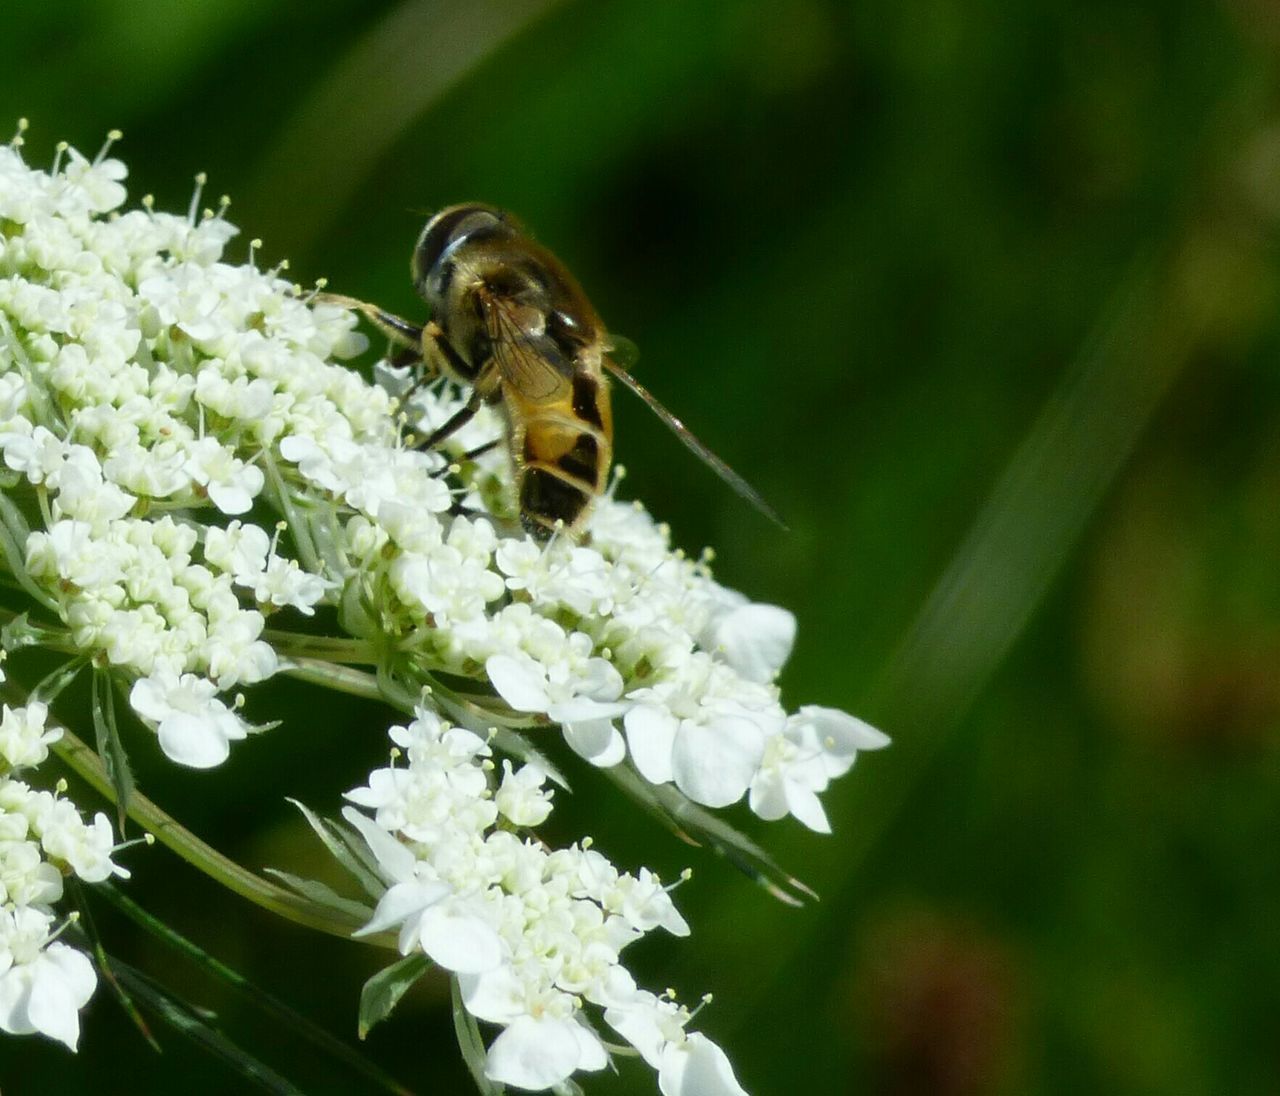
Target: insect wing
[
  {"x": 741, "y": 486},
  {"x": 531, "y": 364}
]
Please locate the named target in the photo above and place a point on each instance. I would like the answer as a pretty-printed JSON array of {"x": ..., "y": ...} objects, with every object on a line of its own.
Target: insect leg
[
  {"x": 391, "y": 325},
  {"x": 455, "y": 422},
  {"x": 480, "y": 450},
  {"x": 440, "y": 356},
  {"x": 405, "y": 355}
]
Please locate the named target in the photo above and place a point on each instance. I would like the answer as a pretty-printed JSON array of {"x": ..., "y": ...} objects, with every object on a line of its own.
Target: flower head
[{"x": 184, "y": 457}]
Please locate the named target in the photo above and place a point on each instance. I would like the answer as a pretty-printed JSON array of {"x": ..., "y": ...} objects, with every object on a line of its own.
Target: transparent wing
[
  {"x": 741, "y": 486},
  {"x": 531, "y": 364}
]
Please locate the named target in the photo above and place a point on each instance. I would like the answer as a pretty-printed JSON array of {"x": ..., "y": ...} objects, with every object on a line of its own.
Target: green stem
[
  {"x": 342, "y": 679},
  {"x": 328, "y": 648},
  {"x": 201, "y": 856},
  {"x": 297, "y": 526}
]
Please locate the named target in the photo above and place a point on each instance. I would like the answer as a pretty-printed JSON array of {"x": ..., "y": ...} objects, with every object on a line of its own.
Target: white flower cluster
[
  {"x": 143, "y": 384},
  {"x": 534, "y": 935},
  {"x": 181, "y": 457},
  {"x": 43, "y": 982},
  {"x": 632, "y": 649}
]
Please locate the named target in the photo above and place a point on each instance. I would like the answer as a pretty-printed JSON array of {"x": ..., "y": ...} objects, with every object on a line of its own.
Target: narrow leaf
[
  {"x": 52, "y": 684},
  {"x": 337, "y": 844},
  {"x": 187, "y": 1020},
  {"x": 110, "y": 748},
  {"x": 89, "y": 928},
  {"x": 471, "y": 1044},
  {"x": 259, "y": 998},
  {"x": 322, "y": 894},
  {"x": 383, "y": 991},
  {"x": 698, "y": 826}
]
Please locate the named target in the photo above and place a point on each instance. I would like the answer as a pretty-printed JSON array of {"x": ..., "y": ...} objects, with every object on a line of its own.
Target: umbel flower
[{"x": 183, "y": 456}]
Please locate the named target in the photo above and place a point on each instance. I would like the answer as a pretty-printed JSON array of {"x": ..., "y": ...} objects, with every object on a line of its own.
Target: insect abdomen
[{"x": 562, "y": 464}]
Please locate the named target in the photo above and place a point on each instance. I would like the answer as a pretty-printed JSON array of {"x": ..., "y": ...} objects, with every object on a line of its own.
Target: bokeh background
[{"x": 983, "y": 295}]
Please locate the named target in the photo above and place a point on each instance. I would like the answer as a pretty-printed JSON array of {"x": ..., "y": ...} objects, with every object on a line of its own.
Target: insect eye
[{"x": 444, "y": 229}]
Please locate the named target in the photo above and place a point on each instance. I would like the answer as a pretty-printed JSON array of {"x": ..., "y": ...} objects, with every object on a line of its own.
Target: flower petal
[
  {"x": 597, "y": 740},
  {"x": 840, "y": 736},
  {"x": 519, "y": 681},
  {"x": 193, "y": 740},
  {"x": 401, "y": 902},
  {"x": 534, "y": 1054},
  {"x": 63, "y": 981},
  {"x": 768, "y": 797},
  {"x": 458, "y": 940},
  {"x": 713, "y": 763},
  {"x": 651, "y": 733},
  {"x": 756, "y": 640},
  {"x": 807, "y": 807},
  {"x": 697, "y": 1067},
  {"x": 496, "y": 995}
]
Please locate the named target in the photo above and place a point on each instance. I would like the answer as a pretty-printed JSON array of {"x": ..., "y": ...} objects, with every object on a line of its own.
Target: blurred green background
[{"x": 983, "y": 296}]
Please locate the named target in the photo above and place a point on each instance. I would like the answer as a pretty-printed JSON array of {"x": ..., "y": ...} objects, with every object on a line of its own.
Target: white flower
[
  {"x": 42, "y": 986},
  {"x": 233, "y": 652},
  {"x": 696, "y": 1067},
  {"x": 194, "y": 727},
  {"x": 578, "y": 692},
  {"x": 231, "y": 484},
  {"x": 537, "y": 1053},
  {"x": 754, "y": 639},
  {"x": 835, "y": 736},
  {"x": 430, "y": 916},
  {"x": 817, "y": 745},
  {"x": 37, "y": 454},
  {"x": 522, "y": 798},
  {"x": 693, "y": 731},
  {"x": 285, "y": 583},
  {"x": 97, "y": 184},
  {"x": 66, "y": 838},
  {"x": 23, "y": 740},
  {"x": 240, "y": 550}
]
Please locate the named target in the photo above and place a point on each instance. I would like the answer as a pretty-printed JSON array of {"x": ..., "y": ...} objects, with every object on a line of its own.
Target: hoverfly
[{"x": 509, "y": 321}]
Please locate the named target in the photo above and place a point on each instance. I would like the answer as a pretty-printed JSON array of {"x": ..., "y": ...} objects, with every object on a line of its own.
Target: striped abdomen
[{"x": 562, "y": 453}]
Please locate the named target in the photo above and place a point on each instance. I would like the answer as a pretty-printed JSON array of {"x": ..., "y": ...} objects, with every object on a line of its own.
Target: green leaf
[
  {"x": 191, "y": 1022},
  {"x": 337, "y": 841},
  {"x": 87, "y": 926},
  {"x": 56, "y": 680},
  {"x": 110, "y": 748},
  {"x": 471, "y": 1044},
  {"x": 697, "y": 825},
  {"x": 259, "y": 998},
  {"x": 18, "y": 633},
  {"x": 383, "y": 991},
  {"x": 322, "y": 894}
]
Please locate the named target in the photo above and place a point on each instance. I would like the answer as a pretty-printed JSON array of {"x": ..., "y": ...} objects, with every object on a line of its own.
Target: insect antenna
[{"x": 718, "y": 466}]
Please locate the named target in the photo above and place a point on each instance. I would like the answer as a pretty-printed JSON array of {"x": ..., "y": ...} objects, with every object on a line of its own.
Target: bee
[{"x": 510, "y": 322}]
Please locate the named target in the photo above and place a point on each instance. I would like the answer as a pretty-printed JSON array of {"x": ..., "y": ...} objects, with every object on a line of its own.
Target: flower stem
[
  {"x": 201, "y": 856},
  {"x": 342, "y": 679},
  {"x": 296, "y": 645}
]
